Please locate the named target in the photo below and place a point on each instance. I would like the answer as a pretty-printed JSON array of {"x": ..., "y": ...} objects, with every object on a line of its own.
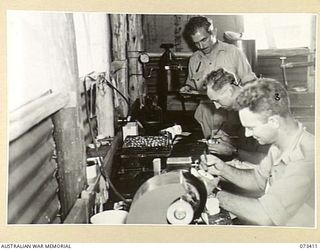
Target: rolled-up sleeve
[
  {"x": 243, "y": 68},
  {"x": 189, "y": 77},
  {"x": 287, "y": 194}
]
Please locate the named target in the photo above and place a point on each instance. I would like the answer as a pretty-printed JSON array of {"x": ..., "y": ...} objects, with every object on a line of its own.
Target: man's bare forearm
[
  {"x": 247, "y": 209},
  {"x": 252, "y": 157},
  {"x": 244, "y": 178}
]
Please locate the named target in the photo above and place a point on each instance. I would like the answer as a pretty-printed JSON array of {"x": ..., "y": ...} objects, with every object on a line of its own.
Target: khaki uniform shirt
[
  {"x": 223, "y": 55},
  {"x": 289, "y": 180}
]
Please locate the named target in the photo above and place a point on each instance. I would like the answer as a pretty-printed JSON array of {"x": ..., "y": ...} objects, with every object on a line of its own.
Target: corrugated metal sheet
[
  {"x": 49, "y": 214},
  {"x": 32, "y": 190}
]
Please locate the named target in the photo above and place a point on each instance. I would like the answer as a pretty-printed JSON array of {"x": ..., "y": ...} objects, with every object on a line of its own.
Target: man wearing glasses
[
  {"x": 283, "y": 183},
  {"x": 211, "y": 54},
  {"x": 223, "y": 89}
]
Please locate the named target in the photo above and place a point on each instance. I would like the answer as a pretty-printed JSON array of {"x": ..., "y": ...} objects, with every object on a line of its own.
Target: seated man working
[
  {"x": 223, "y": 89},
  {"x": 285, "y": 176}
]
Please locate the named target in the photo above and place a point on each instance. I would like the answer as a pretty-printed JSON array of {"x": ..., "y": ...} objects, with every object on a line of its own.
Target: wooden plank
[
  {"x": 135, "y": 36},
  {"x": 90, "y": 197},
  {"x": 83, "y": 209},
  {"x": 283, "y": 52},
  {"x": 178, "y": 28},
  {"x": 105, "y": 109},
  {"x": 111, "y": 153},
  {"x": 68, "y": 130},
  {"x": 179, "y": 54},
  {"x": 119, "y": 45},
  {"x": 78, "y": 213},
  {"x": 70, "y": 156},
  {"x": 24, "y": 118}
]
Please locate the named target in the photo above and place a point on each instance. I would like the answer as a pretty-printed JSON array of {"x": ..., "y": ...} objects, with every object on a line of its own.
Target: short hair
[
  {"x": 219, "y": 78},
  {"x": 265, "y": 96},
  {"x": 196, "y": 23}
]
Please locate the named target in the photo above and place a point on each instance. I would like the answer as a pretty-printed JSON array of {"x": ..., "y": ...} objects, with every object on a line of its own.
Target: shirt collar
[{"x": 294, "y": 153}]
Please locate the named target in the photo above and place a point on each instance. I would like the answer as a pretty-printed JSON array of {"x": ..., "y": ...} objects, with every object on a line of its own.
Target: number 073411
[{"x": 308, "y": 245}]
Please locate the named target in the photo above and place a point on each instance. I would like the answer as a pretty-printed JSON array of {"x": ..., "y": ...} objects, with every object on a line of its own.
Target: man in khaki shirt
[
  {"x": 223, "y": 89},
  {"x": 285, "y": 178},
  {"x": 211, "y": 55}
]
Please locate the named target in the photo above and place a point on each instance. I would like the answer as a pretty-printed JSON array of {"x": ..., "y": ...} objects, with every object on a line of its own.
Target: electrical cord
[
  {"x": 104, "y": 163},
  {"x": 118, "y": 91},
  {"x": 106, "y": 177}
]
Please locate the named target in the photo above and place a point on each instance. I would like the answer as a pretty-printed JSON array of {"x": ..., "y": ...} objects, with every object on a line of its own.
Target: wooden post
[
  {"x": 178, "y": 26},
  {"x": 119, "y": 48},
  {"x": 135, "y": 37},
  {"x": 104, "y": 94},
  {"x": 105, "y": 109},
  {"x": 68, "y": 136}
]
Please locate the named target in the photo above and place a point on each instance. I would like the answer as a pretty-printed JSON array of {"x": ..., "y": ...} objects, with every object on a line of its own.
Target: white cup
[
  {"x": 212, "y": 205},
  {"x": 91, "y": 170}
]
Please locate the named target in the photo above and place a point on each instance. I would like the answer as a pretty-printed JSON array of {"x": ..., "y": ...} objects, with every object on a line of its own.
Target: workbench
[{"x": 130, "y": 173}]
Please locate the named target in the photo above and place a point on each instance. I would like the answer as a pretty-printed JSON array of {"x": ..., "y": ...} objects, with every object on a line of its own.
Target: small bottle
[{"x": 156, "y": 166}]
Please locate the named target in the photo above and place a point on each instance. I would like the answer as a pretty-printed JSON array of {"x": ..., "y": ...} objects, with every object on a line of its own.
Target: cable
[
  {"x": 118, "y": 91},
  {"x": 106, "y": 177}
]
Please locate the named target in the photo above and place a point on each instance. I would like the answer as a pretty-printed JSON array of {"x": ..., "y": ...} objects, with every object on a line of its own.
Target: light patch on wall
[
  {"x": 278, "y": 31},
  {"x": 41, "y": 55},
  {"x": 25, "y": 35},
  {"x": 93, "y": 42}
]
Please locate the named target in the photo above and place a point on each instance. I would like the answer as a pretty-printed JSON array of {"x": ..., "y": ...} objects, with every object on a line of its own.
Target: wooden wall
[
  {"x": 302, "y": 104},
  {"x": 269, "y": 65},
  {"x": 158, "y": 29},
  {"x": 168, "y": 29}
]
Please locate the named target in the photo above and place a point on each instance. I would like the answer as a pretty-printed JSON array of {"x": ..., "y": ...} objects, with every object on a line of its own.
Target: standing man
[
  {"x": 285, "y": 177},
  {"x": 211, "y": 55}
]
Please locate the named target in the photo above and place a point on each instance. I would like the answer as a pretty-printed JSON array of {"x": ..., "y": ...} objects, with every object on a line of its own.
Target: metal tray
[{"x": 146, "y": 146}]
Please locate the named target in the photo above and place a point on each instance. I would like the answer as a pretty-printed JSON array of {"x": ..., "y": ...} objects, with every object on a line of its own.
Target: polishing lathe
[{"x": 175, "y": 197}]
